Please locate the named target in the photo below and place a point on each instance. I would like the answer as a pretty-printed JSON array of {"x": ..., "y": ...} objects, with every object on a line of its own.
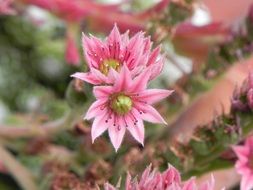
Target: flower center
[
  {"x": 121, "y": 104},
  {"x": 105, "y": 66}
]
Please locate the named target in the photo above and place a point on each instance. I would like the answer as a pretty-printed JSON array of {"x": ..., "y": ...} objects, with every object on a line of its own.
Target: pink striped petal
[
  {"x": 154, "y": 55},
  {"x": 87, "y": 77},
  {"x": 123, "y": 80},
  {"x": 140, "y": 82},
  {"x": 95, "y": 109},
  {"x": 99, "y": 126},
  {"x": 108, "y": 186},
  {"x": 114, "y": 43},
  {"x": 137, "y": 131},
  {"x": 156, "y": 68},
  {"x": 246, "y": 182},
  {"x": 242, "y": 152},
  {"x": 116, "y": 133},
  {"x": 149, "y": 113},
  {"x": 154, "y": 95},
  {"x": 102, "y": 91}
]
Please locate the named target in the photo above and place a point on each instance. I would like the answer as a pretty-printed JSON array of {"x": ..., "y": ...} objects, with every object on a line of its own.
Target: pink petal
[
  {"x": 100, "y": 48},
  {"x": 125, "y": 38},
  {"x": 102, "y": 91},
  {"x": 116, "y": 133},
  {"x": 137, "y": 131},
  {"x": 128, "y": 185},
  {"x": 87, "y": 77},
  {"x": 154, "y": 55},
  {"x": 249, "y": 142},
  {"x": 108, "y": 186},
  {"x": 100, "y": 76},
  {"x": 190, "y": 184},
  {"x": 95, "y": 109},
  {"x": 140, "y": 82},
  {"x": 147, "y": 45},
  {"x": 114, "y": 42},
  {"x": 99, "y": 126},
  {"x": 156, "y": 68},
  {"x": 88, "y": 46},
  {"x": 149, "y": 113},
  {"x": 154, "y": 95},
  {"x": 242, "y": 152},
  {"x": 247, "y": 182},
  {"x": 208, "y": 185},
  {"x": 123, "y": 80},
  {"x": 171, "y": 175}
]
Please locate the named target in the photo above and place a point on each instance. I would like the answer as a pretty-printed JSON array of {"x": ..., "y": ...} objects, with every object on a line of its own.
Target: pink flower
[
  {"x": 168, "y": 180},
  {"x": 5, "y": 7},
  {"x": 72, "y": 53},
  {"x": 124, "y": 106},
  {"x": 118, "y": 50},
  {"x": 244, "y": 164}
]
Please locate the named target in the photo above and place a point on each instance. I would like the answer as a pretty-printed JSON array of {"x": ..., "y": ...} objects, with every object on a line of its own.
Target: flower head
[
  {"x": 116, "y": 51},
  {"x": 244, "y": 164},
  {"x": 124, "y": 105},
  {"x": 169, "y": 179}
]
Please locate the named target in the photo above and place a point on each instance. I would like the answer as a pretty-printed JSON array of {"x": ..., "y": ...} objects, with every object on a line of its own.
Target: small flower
[
  {"x": 116, "y": 51},
  {"x": 244, "y": 164},
  {"x": 169, "y": 179},
  {"x": 124, "y": 106}
]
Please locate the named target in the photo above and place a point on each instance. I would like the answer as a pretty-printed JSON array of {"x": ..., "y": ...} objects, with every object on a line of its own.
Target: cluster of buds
[
  {"x": 169, "y": 179},
  {"x": 243, "y": 97},
  {"x": 121, "y": 68}
]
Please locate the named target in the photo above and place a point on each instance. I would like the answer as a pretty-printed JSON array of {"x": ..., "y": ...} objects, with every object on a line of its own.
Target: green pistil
[
  {"x": 121, "y": 104},
  {"x": 107, "y": 64}
]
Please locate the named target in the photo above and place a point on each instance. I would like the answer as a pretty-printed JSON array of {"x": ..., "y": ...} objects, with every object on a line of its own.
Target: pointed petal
[
  {"x": 89, "y": 53},
  {"x": 190, "y": 184},
  {"x": 246, "y": 183},
  {"x": 242, "y": 152},
  {"x": 116, "y": 133},
  {"x": 108, "y": 186},
  {"x": 154, "y": 55},
  {"x": 123, "y": 80},
  {"x": 154, "y": 95},
  {"x": 102, "y": 91},
  {"x": 114, "y": 43},
  {"x": 99, "y": 126},
  {"x": 100, "y": 76},
  {"x": 95, "y": 109},
  {"x": 136, "y": 130},
  {"x": 156, "y": 68},
  {"x": 149, "y": 113},
  {"x": 140, "y": 82},
  {"x": 87, "y": 77}
]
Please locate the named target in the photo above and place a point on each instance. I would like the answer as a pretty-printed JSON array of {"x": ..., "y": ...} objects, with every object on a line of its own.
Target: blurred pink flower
[
  {"x": 117, "y": 50},
  {"x": 195, "y": 41},
  {"x": 244, "y": 164},
  {"x": 168, "y": 180},
  {"x": 5, "y": 7},
  {"x": 72, "y": 53},
  {"x": 124, "y": 106}
]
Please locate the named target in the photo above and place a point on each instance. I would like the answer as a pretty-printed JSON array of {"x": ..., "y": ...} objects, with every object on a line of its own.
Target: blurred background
[{"x": 45, "y": 144}]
